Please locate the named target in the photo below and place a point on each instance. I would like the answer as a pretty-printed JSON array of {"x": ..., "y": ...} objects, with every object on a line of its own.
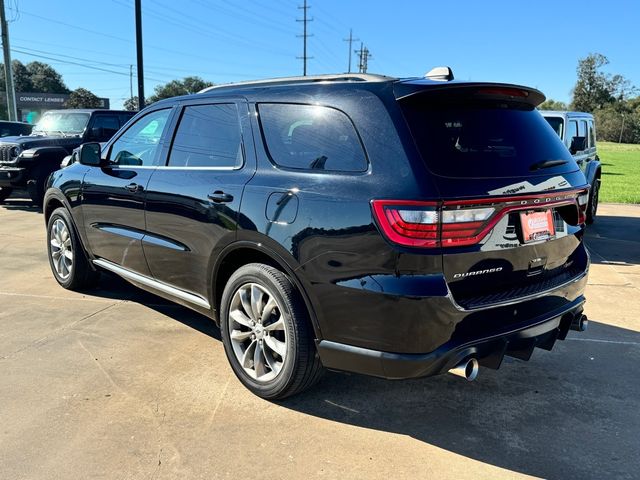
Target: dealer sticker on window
[{"x": 537, "y": 225}]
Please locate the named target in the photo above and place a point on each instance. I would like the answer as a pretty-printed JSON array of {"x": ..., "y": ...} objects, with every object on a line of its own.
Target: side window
[
  {"x": 208, "y": 136},
  {"x": 572, "y": 131},
  {"x": 105, "y": 127},
  {"x": 311, "y": 137},
  {"x": 592, "y": 135},
  {"x": 139, "y": 144},
  {"x": 124, "y": 118}
]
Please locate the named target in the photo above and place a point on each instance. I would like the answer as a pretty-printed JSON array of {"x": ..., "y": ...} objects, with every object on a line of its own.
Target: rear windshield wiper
[{"x": 547, "y": 164}]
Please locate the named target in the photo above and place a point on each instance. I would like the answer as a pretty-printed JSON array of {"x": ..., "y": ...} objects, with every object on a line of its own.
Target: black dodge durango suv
[{"x": 395, "y": 228}]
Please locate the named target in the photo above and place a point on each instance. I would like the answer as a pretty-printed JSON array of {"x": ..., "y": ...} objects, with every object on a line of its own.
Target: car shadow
[
  {"x": 569, "y": 413},
  {"x": 619, "y": 237},
  {"x": 113, "y": 287}
]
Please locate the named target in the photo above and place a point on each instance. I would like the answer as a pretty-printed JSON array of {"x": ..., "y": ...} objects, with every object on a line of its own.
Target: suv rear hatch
[{"x": 509, "y": 209}]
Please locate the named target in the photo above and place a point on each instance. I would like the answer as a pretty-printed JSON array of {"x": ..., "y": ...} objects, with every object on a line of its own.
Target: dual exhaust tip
[{"x": 467, "y": 369}]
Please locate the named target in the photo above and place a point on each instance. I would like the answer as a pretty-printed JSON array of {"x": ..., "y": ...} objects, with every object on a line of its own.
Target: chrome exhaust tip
[
  {"x": 580, "y": 323},
  {"x": 467, "y": 369}
]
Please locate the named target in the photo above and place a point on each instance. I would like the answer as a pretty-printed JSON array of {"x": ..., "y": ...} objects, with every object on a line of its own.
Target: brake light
[
  {"x": 503, "y": 92},
  {"x": 583, "y": 201},
  {"x": 461, "y": 222},
  {"x": 412, "y": 224}
]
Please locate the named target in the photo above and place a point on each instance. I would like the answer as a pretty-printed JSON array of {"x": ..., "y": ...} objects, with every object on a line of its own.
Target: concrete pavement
[{"x": 119, "y": 384}]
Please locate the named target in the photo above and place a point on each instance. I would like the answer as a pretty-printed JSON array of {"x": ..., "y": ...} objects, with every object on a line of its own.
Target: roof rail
[{"x": 341, "y": 77}]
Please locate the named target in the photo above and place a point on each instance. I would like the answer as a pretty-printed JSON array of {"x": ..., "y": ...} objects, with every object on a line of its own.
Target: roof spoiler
[{"x": 518, "y": 93}]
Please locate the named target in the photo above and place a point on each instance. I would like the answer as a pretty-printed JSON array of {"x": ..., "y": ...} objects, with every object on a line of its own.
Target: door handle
[
  {"x": 134, "y": 187},
  {"x": 220, "y": 197}
]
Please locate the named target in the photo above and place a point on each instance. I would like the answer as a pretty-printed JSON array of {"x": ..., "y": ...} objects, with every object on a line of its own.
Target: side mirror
[
  {"x": 578, "y": 144},
  {"x": 90, "y": 154}
]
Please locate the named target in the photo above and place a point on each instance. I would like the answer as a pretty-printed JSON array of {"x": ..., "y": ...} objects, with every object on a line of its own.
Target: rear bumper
[
  {"x": 12, "y": 177},
  {"x": 516, "y": 342}
]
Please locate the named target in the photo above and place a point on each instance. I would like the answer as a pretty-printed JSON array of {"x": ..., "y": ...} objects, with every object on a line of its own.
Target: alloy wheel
[
  {"x": 61, "y": 248},
  {"x": 257, "y": 331}
]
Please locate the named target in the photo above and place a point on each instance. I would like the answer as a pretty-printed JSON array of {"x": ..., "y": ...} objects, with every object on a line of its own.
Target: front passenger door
[{"x": 113, "y": 196}]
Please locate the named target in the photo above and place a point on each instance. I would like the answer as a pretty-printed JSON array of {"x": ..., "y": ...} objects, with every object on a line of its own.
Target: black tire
[
  {"x": 594, "y": 196},
  {"x": 300, "y": 367},
  {"x": 79, "y": 273},
  {"x": 5, "y": 193}
]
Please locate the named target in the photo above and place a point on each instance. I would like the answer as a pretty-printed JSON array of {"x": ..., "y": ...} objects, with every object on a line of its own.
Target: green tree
[
  {"x": 594, "y": 88},
  {"x": 45, "y": 79},
  {"x": 131, "y": 104},
  {"x": 21, "y": 77},
  {"x": 551, "y": 104},
  {"x": 186, "y": 86},
  {"x": 619, "y": 122},
  {"x": 83, "y": 98}
]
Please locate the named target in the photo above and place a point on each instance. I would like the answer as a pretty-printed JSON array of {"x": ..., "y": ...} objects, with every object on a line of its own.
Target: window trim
[
  {"x": 310, "y": 170},
  {"x": 179, "y": 116},
  {"x": 115, "y": 140}
]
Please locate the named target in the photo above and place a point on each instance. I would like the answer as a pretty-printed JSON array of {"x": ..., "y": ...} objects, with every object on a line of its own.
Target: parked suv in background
[
  {"x": 396, "y": 228},
  {"x": 578, "y": 132},
  {"x": 27, "y": 161}
]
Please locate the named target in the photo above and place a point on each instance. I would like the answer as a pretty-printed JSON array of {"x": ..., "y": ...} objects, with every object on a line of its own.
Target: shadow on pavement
[
  {"x": 113, "y": 287},
  {"x": 570, "y": 413},
  {"x": 619, "y": 237}
]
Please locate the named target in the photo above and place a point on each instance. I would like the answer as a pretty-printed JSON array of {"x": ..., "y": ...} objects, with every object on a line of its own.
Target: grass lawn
[{"x": 620, "y": 172}]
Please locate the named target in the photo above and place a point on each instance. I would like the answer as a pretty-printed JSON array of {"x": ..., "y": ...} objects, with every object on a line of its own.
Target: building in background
[{"x": 31, "y": 105}]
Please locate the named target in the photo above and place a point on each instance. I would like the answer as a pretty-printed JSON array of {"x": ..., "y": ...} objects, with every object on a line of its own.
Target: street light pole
[
  {"x": 138, "y": 9},
  {"x": 8, "y": 71}
]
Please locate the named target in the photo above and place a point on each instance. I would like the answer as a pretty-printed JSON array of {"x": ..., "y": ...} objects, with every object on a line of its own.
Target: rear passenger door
[{"x": 193, "y": 199}]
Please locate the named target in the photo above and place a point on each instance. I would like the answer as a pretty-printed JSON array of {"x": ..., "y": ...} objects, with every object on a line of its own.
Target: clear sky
[{"x": 535, "y": 43}]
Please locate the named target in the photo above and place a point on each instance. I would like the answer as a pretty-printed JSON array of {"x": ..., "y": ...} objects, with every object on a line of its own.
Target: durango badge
[{"x": 477, "y": 272}]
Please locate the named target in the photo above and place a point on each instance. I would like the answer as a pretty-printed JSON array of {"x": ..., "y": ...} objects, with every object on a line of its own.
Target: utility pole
[
  {"x": 130, "y": 81},
  {"x": 350, "y": 40},
  {"x": 8, "y": 71},
  {"x": 304, "y": 36},
  {"x": 364, "y": 58},
  {"x": 138, "y": 9}
]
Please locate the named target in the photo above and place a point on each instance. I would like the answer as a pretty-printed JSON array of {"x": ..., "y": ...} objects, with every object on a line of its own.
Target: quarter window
[
  {"x": 139, "y": 144},
  {"x": 208, "y": 136},
  {"x": 311, "y": 137}
]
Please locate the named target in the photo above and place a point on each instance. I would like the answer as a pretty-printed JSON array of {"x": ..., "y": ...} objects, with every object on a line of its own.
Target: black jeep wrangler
[{"x": 27, "y": 161}]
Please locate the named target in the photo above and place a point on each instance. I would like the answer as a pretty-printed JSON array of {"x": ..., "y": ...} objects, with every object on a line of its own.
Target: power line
[
  {"x": 304, "y": 36},
  {"x": 68, "y": 62}
]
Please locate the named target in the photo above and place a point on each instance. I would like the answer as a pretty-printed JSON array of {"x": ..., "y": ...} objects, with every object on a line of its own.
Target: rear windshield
[{"x": 473, "y": 139}]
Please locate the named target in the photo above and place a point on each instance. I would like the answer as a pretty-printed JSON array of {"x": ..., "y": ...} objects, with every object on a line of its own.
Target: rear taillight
[
  {"x": 583, "y": 201},
  {"x": 413, "y": 224},
  {"x": 464, "y": 222}
]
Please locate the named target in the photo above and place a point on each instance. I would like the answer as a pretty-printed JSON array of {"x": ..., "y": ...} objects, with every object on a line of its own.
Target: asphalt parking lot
[{"x": 117, "y": 383}]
